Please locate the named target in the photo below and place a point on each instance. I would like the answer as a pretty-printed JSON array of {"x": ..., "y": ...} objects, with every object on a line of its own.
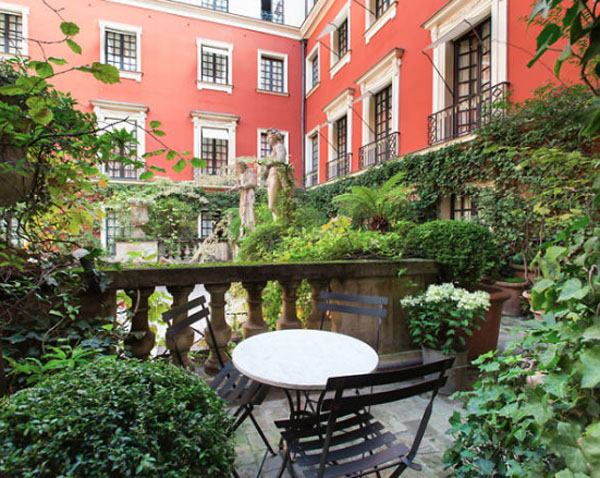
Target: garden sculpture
[
  {"x": 246, "y": 185},
  {"x": 274, "y": 179}
]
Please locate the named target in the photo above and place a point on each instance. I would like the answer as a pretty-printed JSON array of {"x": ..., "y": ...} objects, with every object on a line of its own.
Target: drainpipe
[{"x": 303, "y": 114}]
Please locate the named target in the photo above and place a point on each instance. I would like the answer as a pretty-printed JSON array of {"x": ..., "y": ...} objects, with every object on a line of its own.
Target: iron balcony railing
[
  {"x": 274, "y": 17},
  {"x": 311, "y": 179},
  {"x": 339, "y": 166},
  {"x": 467, "y": 115},
  {"x": 379, "y": 151}
]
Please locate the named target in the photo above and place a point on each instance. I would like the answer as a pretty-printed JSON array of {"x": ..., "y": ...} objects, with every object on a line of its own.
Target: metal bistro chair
[
  {"x": 343, "y": 438},
  {"x": 230, "y": 384}
]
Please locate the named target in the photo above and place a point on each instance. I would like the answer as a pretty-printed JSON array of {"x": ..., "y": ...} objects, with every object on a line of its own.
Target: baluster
[
  {"x": 182, "y": 342},
  {"x": 140, "y": 340},
  {"x": 221, "y": 328},
  {"x": 255, "y": 324},
  {"x": 314, "y": 321},
  {"x": 289, "y": 318}
]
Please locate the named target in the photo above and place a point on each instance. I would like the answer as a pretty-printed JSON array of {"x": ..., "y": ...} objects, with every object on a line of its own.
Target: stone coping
[{"x": 137, "y": 277}]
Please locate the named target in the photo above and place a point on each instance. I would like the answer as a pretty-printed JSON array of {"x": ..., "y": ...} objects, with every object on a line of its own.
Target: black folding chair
[
  {"x": 344, "y": 439},
  {"x": 370, "y": 305},
  {"x": 230, "y": 384}
]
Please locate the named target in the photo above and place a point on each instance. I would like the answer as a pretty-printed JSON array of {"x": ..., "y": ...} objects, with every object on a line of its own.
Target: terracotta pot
[
  {"x": 512, "y": 306},
  {"x": 457, "y": 375},
  {"x": 486, "y": 338},
  {"x": 537, "y": 313}
]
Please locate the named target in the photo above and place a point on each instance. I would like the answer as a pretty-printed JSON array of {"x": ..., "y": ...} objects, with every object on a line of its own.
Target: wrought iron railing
[
  {"x": 311, "y": 179},
  {"x": 339, "y": 166},
  {"x": 274, "y": 17},
  {"x": 467, "y": 115},
  {"x": 379, "y": 151}
]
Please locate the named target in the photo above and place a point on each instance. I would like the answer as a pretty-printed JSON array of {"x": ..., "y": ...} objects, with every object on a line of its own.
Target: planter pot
[
  {"x": 512, "y": 306},
  {"x": 457, "y": 375},
  {"x": 486, "y": 338},
  {"x": 537, "y": 313}
]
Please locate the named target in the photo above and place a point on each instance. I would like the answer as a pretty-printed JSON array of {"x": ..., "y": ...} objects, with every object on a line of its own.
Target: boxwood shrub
[
  {"x": 466, "y": 252},
  {"x": 115, "y": 419}
]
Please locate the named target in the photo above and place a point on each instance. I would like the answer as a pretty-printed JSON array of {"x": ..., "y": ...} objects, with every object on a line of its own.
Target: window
[
  {"x": 215, "y": 68},
  {"x": 272, "y": 10},
  {"x": 462, "y": 207},
  {"x": 114, "y": 230},
  {"x": 341, "y": 131},
  {"x": 272, "y": 72},
  {"x": 381, "y": 6},
  {"x": 312, "y": 167},
  {"x": 121, "y": 48},
  {"x": 131, "y": 117},
  {"x": 383, "y": 113},
  {"x": 219, "y": 5},
  {"x": 339, "y": 118},
  {"x": 264, "y": 149},
  {"x": 11, "y": 33},
  {"x": 342, "y": 39},
  {"x": 214, "y": 141},
  {"x": 312, "y": 68},
  {"x": 314, "y": 149},
  {"x": 314, "y": 74},
  {"x": 206, "y": 225},
  {"x": 215, "y": 151}
]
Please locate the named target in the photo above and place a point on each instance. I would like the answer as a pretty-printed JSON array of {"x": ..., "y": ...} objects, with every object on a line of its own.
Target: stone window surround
[
  {"x": 127, "y": 29},
  {"x": 372, "y": 25},
  {"x": 336, "y": 63},
  {"x": 205, "y": 85},
  {"x": 23, "y": 11},
  {"x": 385, "y": 72},
  {"x": 314, "y": 52},
  {"x": 340, "y": 106},
  {"x": 451, "y": 22},
  {"x": 132, "y": 112},
  {"x": 208, "y": 119},
  {"x": 308, "y": 166}
]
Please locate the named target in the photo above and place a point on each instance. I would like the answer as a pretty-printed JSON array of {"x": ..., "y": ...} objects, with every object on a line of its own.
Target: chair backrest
[
  {"x": 364, "y": 305},
  {"x": 380, "y": 388},
  {"x": 203, "y": 313}
]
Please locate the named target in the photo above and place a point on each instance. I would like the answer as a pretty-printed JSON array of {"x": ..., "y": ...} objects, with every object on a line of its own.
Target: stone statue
[
  {"x": 246, "y": 185},
  {"x": 274, "y": 180}
]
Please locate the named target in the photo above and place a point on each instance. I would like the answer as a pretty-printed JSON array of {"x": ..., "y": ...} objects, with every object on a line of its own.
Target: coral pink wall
[{"x": 169, "y": 66}]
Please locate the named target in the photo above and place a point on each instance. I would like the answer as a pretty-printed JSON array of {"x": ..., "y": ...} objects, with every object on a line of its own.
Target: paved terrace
[{"x": 401, "y": 418}]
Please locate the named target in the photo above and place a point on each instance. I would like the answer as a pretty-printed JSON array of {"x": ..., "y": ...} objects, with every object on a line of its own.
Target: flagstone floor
[{"x": 401, "y": 418}]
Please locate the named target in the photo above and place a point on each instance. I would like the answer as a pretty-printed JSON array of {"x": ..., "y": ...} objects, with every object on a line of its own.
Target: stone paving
[{"x": 401, "y": 418}]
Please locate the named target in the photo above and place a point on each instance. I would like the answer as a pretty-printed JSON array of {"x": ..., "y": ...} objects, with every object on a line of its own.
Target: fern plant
[{"x": 376, "y": 207}]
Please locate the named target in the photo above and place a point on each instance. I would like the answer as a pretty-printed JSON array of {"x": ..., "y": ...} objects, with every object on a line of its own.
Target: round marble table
[{"x": 302, "y": 359}]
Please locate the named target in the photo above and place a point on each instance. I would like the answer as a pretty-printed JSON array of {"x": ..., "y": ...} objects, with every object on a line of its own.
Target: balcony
[
  {"x": 339, "y": 167},
  {"x": 467, "y": 115},
  {"x": 379, "y": 151},
  {"x": 311, "y": 179},
  {"x": 274, "y": 17}
]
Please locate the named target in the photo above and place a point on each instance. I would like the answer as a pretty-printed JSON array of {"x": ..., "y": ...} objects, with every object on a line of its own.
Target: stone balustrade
[{"x": 393, "y": 279}]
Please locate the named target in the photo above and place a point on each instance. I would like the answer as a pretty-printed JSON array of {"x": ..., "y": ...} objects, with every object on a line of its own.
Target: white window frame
[
  {"x": 130, "y": 112},
  {"x": 129, "y": 30},
  {"x": 12, "y": 9},
  {"x": 207, "y": 85},
  {"x": 335, "y": 63},
  {"x": 286, "y": 141},
  {"x": 372, "y": 25},
  {"x": 314, "y": 53},
  {"x": 208, "y": 119},
  {"x": 277, "y": 56},
  {"x": 308, "y": 166},
  {"x": 385, "y": 72},
  {"x": 336, "y": 109},
  {"x": 454, "y": 20}
]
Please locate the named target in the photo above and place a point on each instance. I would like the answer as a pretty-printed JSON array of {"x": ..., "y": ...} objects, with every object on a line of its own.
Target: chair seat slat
[
  {"x": 335, "y": 441},
  {"x": 363, "y": 299},
  {"x": 368, "y": 462}
]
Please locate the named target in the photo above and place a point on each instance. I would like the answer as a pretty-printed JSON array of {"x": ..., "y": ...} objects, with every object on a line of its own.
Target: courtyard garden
[{"x": 97, "y": 378}]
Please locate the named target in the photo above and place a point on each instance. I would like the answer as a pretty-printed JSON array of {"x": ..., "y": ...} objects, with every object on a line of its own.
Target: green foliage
[
  {"x": 442, "y": 317},
  {"x": 118, "y": 419},
  {"x": 466, "y": 252},
  {"x": 261, "y": 243},
  {"x": 536, "y": 412},
  {"x": 376, "y": 207}
]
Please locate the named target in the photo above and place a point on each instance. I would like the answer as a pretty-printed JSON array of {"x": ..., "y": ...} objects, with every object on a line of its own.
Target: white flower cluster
[{"x": 436, "y": 294}]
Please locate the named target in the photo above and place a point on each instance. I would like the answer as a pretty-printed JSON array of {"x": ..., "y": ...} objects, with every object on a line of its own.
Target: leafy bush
[
  {"x": 443, "y": 316},
  {"x": 115, "y": 419},
  {"x": 465, "y": 251},
  {"x": 261, "y": 243}
]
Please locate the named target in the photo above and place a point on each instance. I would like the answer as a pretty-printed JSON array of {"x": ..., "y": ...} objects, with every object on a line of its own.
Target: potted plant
[
  {"x": 440, "y": 320},
  {"x": 466, "y": 254}
]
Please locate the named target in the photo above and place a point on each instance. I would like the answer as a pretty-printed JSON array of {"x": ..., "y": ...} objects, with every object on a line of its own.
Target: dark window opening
[
  {"x": 271, "y": 74},
  {"x": 11, "y": 33},
  {"x": 121, "y": 50},
  {"x": 381, "y": 6},
  {"x": 383, "y": 113},
  {"x": 342, "y": 39},
  {"x": 215, "y": 152},
  {"x": 215, "y": 65}
]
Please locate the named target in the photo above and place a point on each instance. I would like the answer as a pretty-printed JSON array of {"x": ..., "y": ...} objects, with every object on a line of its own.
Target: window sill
[
  {"x": 4, "y": 55},
  {"x": 340, "y": 63},
  {"x": 312, "y": 90},
  {"x": 388, "y": 15},
  {"x": 131, "y": 75},
  {"x": 270, "y": 92},
  {"x": 205, "y": 85}
]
